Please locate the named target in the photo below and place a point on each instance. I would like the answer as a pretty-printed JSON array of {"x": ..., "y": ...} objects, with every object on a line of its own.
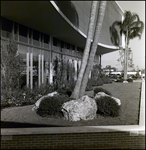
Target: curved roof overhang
[{"x": 46, "y": 17}]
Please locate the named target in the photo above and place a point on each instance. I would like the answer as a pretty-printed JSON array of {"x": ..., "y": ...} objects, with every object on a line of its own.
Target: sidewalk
[{"x": 142, "y": 106}]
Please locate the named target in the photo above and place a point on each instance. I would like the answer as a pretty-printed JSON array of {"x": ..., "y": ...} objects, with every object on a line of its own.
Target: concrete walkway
[{"x": 142, "y": 106}]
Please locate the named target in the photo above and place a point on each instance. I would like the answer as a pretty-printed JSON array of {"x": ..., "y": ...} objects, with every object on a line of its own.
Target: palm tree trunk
[
  {"x": 125, "y": 55},
  {"x": 101, "y": 12},
  {"x": 75, "y": 93}
]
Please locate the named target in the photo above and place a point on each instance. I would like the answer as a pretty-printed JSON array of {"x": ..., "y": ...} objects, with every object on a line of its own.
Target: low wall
[{"x": 103, "y": 140}]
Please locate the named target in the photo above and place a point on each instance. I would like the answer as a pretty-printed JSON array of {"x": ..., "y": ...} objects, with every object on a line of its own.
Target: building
[{"x": 46, "y": 29}]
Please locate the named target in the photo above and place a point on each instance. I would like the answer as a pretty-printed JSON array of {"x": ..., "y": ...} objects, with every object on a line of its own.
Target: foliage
[
  {"x": 63, "y": 72},
  {"x": 129, "y": 59},
  {"x": 131, "y": 27},
  {"x": 105, "y": 80},
  {"x": 96, "y": 90},
  {"x": 52, "y": 105},
  {"x": 27, "y": 96},
  {"x": 89, "y": 86},
  {"x": 11, "y": 70},
  {"x": 97, "y": 82},
  {"x": 97, "y": 78},
  {"x": 65, "y": 89},
  {"x": 64, "y": 76},
  {"x": 130, "y": 80},
  {"x": 107, "y": 106},
  {"x": 96, "y": 71}
]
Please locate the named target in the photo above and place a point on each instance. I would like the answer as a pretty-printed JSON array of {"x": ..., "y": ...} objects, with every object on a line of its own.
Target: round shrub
[
  {"x": 107, "y": 106},
  {"x": 52, "y": 105},
  {"x": 96, "y": 90}
]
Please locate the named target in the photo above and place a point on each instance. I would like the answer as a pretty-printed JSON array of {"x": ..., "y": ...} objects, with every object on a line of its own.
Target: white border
[{"x": 138, "y": 129}]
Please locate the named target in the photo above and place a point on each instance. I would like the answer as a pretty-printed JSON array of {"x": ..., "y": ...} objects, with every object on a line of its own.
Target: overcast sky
[{"x": 136, "y": 45}]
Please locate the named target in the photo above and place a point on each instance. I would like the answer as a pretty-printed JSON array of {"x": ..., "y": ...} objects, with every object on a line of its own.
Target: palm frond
[
  {"x": 114, "y": 33},
  {"x": 135, "y": 17},
  {"x": 134, "y": 34},
  {"x": 137, "y": 24}
]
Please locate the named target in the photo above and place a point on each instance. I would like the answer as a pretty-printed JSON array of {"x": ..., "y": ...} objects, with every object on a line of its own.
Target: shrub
[
  {"x": 89, "y": 86},
  {"x": 107, "y": 106},
  {"x": 119, "y": 80},
  {"x": 11, "y": 69},
  {"x": 106, "y": 80},
  {"x": 96, "y": 90},
  {"x": 98, "y": 82},
  {"x": 64, "y": 90},
  {"x": 52, "y": 105},
  {"x": 130, "y": 80}
]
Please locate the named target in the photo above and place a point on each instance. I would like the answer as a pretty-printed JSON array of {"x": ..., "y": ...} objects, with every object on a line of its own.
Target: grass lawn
[{"x": 128, "y": 93}]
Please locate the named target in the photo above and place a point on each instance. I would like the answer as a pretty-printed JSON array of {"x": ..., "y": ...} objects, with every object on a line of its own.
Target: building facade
[{"x": 45, "y": 30}]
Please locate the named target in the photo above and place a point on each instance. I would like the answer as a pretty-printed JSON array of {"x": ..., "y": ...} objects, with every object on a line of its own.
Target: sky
[{"x": 137, "y": 46}]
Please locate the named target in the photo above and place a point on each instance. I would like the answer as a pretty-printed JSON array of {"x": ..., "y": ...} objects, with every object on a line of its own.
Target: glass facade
[{"x": 38, "y": 51}]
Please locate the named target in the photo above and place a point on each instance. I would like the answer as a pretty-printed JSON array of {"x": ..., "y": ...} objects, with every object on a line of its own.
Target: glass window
[
  {"x": 62, "y": 44},
  {"x": 55, "y": 41},
  {"x": 73, "y": 47},
  {"x": 23, "y": 33},
  {"x": 6, "y": 27},
  {"x": 6, "y": 24},
  {"x": 46, "y": 38},
  {"x": 36, "y": 35},
  {"x": 15, "y": 27},
  {"x": 68, "y": 45},
  {"x": 30, "y": 30},
  {"x": 22, "y": 49},
  {"x": 23, "y": 30}
]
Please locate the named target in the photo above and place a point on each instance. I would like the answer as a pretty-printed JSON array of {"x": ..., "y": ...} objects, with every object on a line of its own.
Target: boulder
[
  {"x": 84, "y": 108},
  {"x": 102, "y": 94},
  {"x": 37, "y": 104}
]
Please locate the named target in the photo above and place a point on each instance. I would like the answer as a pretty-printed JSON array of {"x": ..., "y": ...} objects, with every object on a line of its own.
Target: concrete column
[
  {"x": 39, "y": 71},
  {"x": 31, "y": 70},
  {"x": 27, "y": 69},
  {"x": 75, "y": 66}
]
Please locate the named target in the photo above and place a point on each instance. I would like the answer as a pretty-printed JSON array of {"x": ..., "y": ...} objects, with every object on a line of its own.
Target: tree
[
  {"x": 89, "y": 52},
  {"x": 101, "y": 12},
  {"x": 11, "y": 68},
  {"x": 131, "y": 27},
  {"x": 75, "y": 93},
  {"x": 129, "y": 58}
]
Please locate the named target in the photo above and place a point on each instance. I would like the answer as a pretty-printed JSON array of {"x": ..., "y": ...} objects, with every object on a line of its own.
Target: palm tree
[
  {"x": 75, "y": 93},
  {"x": 101, "y": 12},
  {"x": 131, "y": 27}
]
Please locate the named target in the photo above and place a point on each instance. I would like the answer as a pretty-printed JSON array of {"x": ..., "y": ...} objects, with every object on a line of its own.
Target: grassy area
[{"x": 129, "y": 94}]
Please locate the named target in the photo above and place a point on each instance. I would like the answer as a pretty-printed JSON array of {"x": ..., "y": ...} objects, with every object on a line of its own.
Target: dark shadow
[
  {"x": 7, "y": 124},
  {"x": 69, "y": 10}
]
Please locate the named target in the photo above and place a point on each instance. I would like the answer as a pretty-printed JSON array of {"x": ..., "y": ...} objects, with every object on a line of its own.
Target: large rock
[
  {"x": 102, "y": 94},
  {"x": 84, "y": 108},
  {"x": 37, "y": 104}
]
